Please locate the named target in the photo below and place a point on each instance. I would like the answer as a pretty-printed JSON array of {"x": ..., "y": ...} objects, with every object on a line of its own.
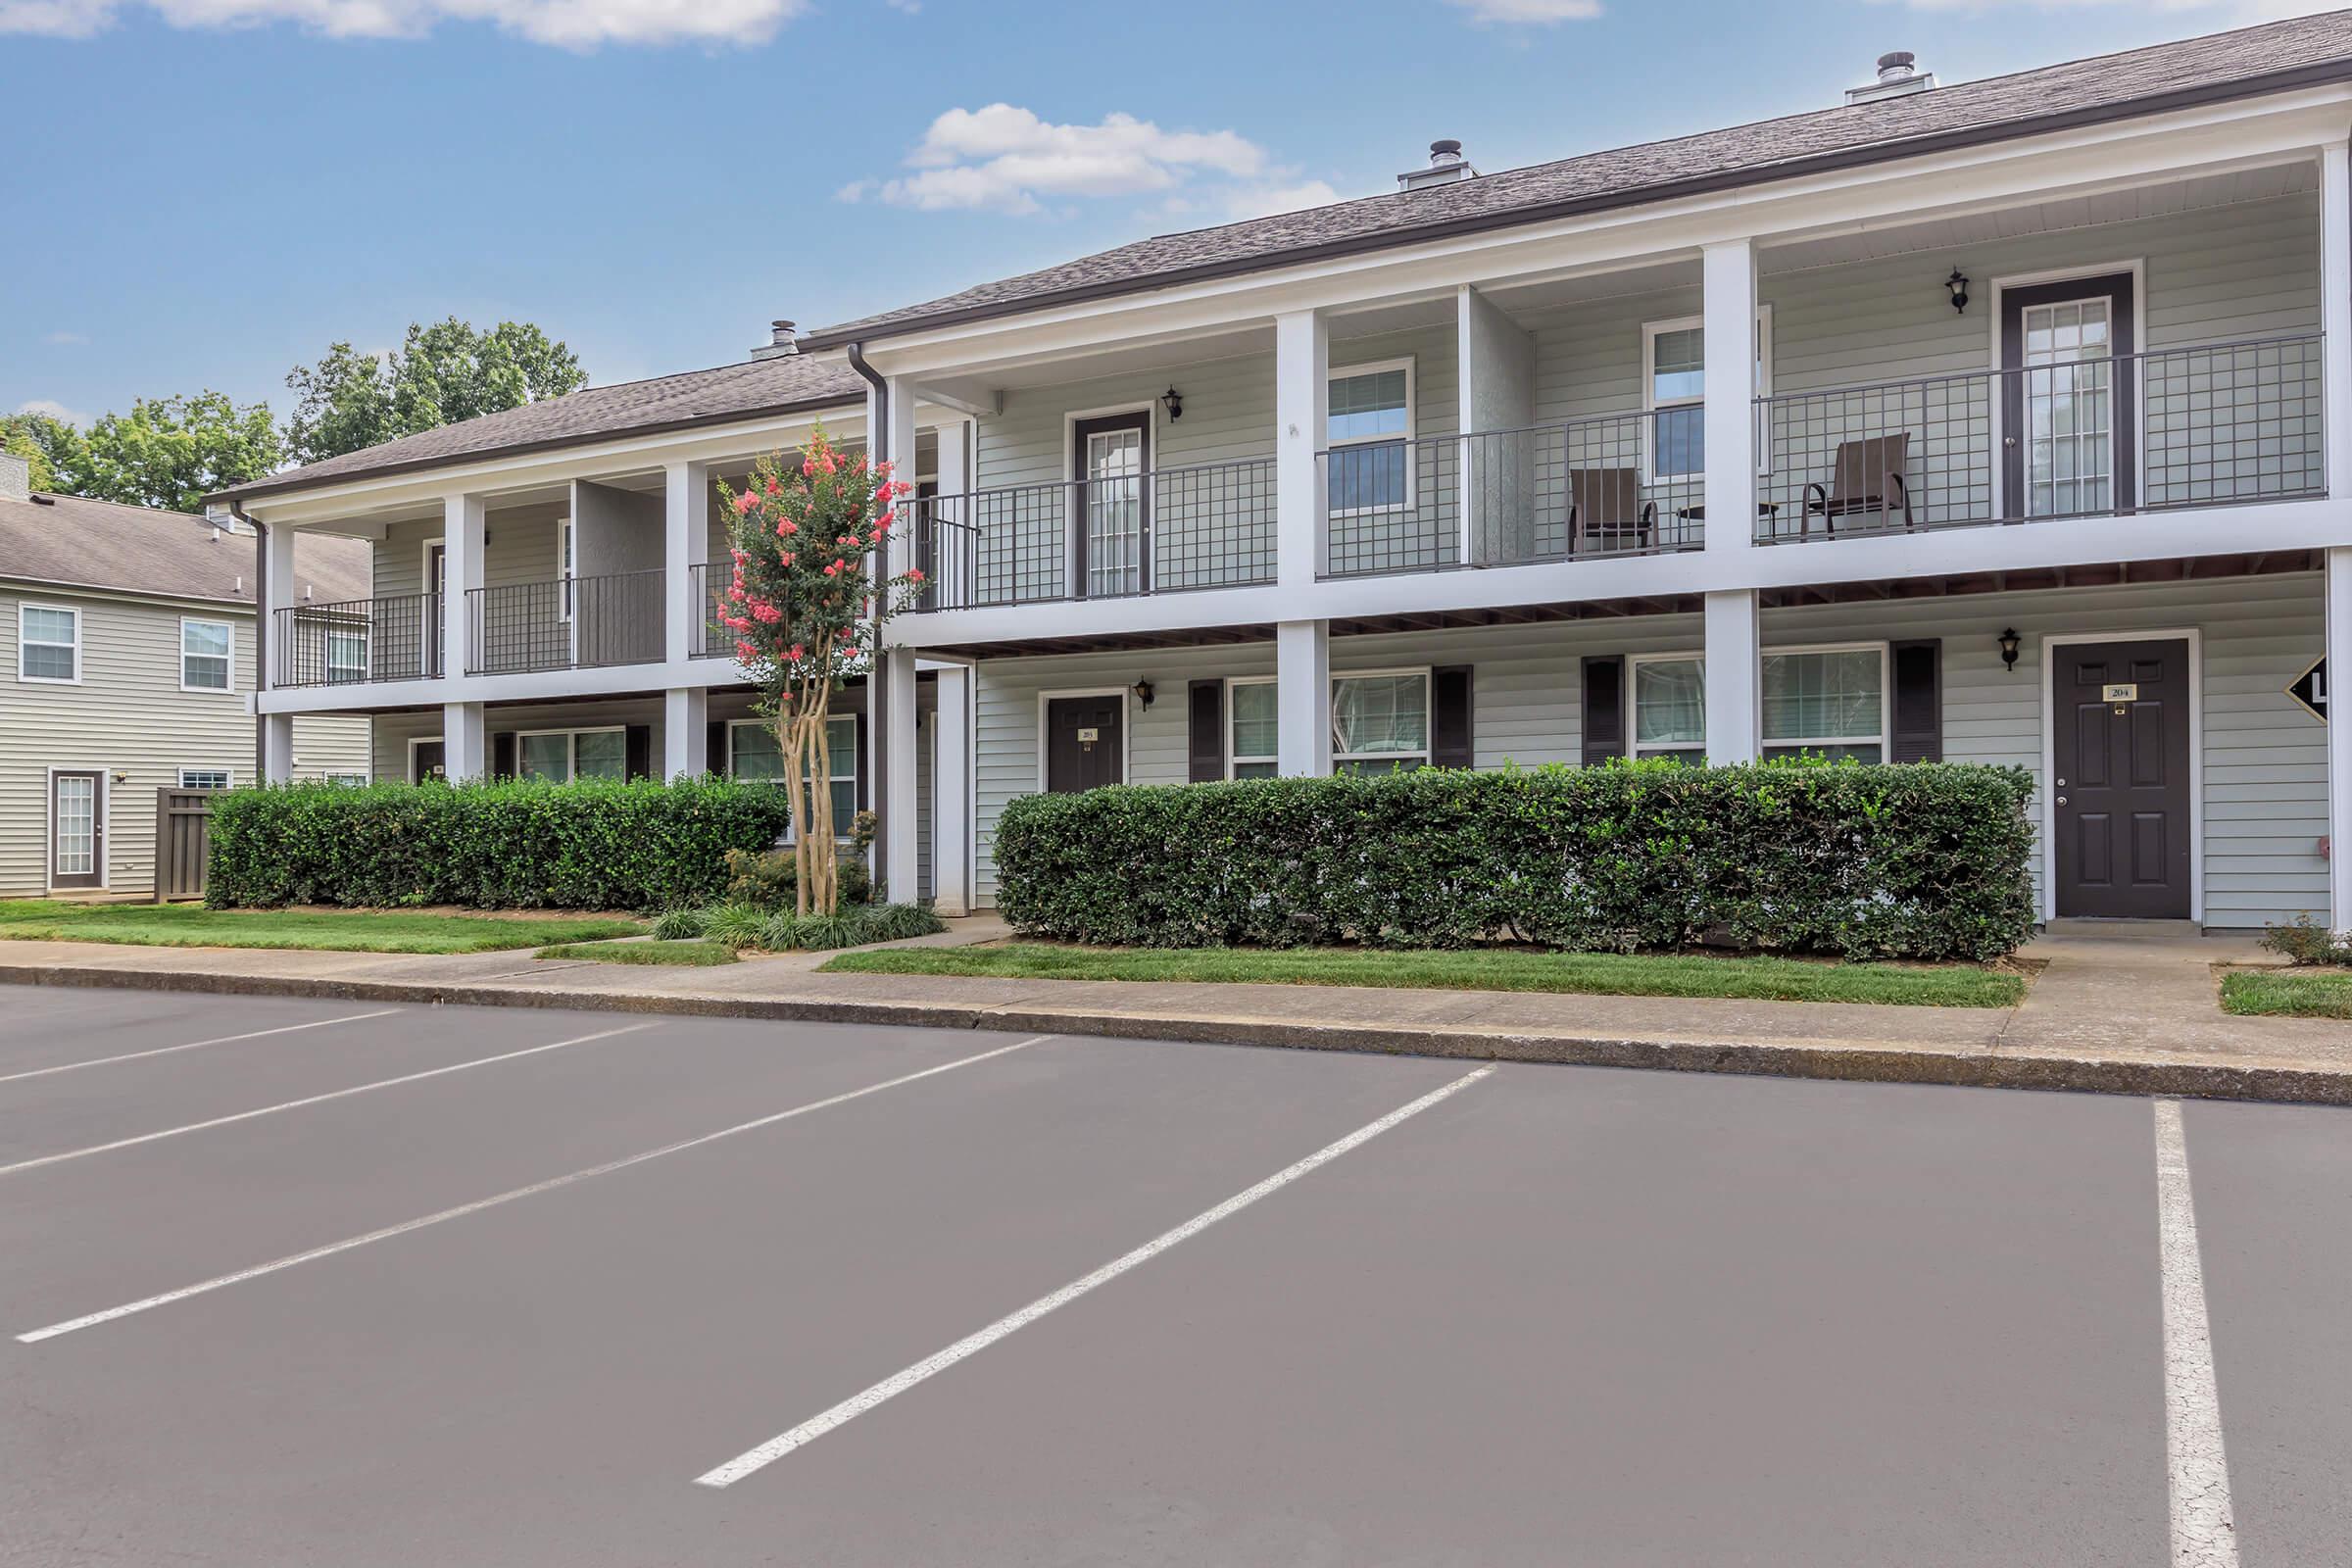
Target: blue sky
[{"x": 201, "y": 193}]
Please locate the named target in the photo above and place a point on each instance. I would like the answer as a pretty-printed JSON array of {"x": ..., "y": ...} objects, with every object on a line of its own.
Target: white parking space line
[
  {"x": 2204, "y": 1528},
  {"x": 849, "y": 1409},
  {"x": 216, "y": 1040},
  {"x": 313, "y": 1100},
  {"x": 148, "y": 1303}
]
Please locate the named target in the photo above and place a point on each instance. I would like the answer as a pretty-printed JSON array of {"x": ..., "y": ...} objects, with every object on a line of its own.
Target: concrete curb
[{"x": 1995, "y": 1068}]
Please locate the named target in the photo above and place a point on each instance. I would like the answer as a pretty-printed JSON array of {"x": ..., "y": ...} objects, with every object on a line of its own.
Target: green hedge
[
  {"x": 1922, "y": 860},
  {"x": 511, "y": 846}
]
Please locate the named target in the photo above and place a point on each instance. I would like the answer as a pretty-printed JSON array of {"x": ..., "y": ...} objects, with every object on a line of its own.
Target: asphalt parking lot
[{"x": 304, "y": 1282}]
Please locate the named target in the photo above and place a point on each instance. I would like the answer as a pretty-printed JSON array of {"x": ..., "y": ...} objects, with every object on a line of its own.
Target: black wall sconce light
[
  {"x": 1958, "y": 284},
  {"x": 1172, "y": 401},
  {"x": 1142, "y": 692},
  {"x": 2009, "y": 647}
]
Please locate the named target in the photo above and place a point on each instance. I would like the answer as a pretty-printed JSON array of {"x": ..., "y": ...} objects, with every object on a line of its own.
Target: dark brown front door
[
  {"x": 429, "y": 758},
  {"x": 2119, "y": 784},
  {"x": 1113, "y": 459},
  {"x": 436, "y": 583},
  {"x": 2068, "y": 396},
  {"x": 77, "y": 830},
  {"x": 1085, "y": 749}
]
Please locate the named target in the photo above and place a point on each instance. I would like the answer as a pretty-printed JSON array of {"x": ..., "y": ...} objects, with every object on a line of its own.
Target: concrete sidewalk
[{"x": 2130, "y": 1009}]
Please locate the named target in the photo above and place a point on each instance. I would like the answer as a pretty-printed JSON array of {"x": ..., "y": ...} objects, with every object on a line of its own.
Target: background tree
[
  {"x": 48, "y": 445},
  {"x": 807, "y": 608},
  {"x": 440, "y": 374},
  {"x": 173, "y": 451}
]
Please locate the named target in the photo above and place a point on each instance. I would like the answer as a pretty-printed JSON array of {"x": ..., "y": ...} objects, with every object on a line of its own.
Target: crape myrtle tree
[{"x": 807, "y": 608}]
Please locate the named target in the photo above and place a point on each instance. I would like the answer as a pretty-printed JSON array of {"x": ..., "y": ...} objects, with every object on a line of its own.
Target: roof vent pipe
[
  {"x": 1898, "y": 75},
  {"x": 781, "y": 340},
  {"x": 1445, "y": 165}
]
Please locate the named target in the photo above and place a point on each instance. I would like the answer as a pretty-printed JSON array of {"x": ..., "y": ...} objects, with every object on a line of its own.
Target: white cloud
[
  {"x": 1265, "y": 201},
  {"x": 571, "y": 23},
  {"x": 1008, "y": 159},
  {"x": 1544, "y": 12},
  {"x": 54, "y": 411}
]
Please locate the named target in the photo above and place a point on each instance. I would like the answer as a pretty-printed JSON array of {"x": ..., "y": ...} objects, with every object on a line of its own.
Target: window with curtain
[
  {"x": 1370, "y": 424},
  {"x": 1670, "y": 709},
  {"x": 1256, "y": 741},
  {"x": 753, "y": 753},
  {"x": 560, "y": 756},
  {"x": 346, "y": 656},
  {"x": 1830, "y": 701},
  {"x": 1380, "y": 720}
]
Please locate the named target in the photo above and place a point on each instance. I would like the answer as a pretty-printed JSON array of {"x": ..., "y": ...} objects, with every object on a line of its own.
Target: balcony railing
[
  {"x": 2205, "y": 425},
  {"x": 1600, "y": 486},
  {"x": 711, "y": 580},
  {"x": 572, "y": 624},
  {"x": 1162, "y": 531},
  {"x": 397, "y": 637}
]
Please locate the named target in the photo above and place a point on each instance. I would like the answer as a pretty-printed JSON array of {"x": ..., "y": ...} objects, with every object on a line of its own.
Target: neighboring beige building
[{"x": 127, "y": 665}]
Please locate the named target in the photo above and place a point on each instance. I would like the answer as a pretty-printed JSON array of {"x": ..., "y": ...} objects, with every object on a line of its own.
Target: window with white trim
[
  {"x": 1380, "y": 719},
  {"x": 564, "y": 568},
  {"x": 560, "y": 756},
  {"x": 1253, "y": 738},
  {"x": 754, "y": 752},
  {"x": 1674, "y": 388},
  {"x": 1670, "y": 707},
  {"x": 356, "y": 781},
  {"x": 48, "y": 642},
  {"x": 1827, "y": 702},
  {"x": 346, "y": 656},
  {"x": 1369, "y": 430},
  {"x": 204, "y": 778},
  {"x": 204, "y": 656}
]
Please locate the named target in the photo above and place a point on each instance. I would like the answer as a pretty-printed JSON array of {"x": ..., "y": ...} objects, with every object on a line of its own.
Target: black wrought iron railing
[
  {"x": 1166, "y": 530},
  {"x": 570, "y": 623},
  {"x": 711, "y": 580},
  {"x": 2208, "y": 425},
  {"x": 352, "y": 641}
]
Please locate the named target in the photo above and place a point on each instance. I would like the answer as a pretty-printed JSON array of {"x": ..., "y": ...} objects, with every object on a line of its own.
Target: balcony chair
[
  {"x": 1866, "y": 478},
  {"x": 1606, "y": 512}
]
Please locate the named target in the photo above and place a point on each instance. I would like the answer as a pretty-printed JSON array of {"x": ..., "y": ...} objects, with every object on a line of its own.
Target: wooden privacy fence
[{"x": 182, "y": 842}]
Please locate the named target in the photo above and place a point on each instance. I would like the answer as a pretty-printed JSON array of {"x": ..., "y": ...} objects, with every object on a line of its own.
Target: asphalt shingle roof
[
  {"x": 100, "y": 544},
  {"x": 2109, "y": 86}
]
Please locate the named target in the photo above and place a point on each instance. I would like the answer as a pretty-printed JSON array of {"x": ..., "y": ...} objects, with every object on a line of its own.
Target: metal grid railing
[
  {"x": 2201, "y": 425},
  {"x": 711, "y": 580},
  {"x": 352, "y": 641},
  {"x": 1588, "y": 487},
  {"x": 1159, "y": 531},
  {"x": 567, "y": 624},
  {"x": 1391, "y": 506}
]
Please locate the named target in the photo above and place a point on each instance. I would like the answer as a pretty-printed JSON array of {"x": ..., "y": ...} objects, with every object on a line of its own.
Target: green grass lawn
[
  {"x": 695, "y": 954},
  {"x": 1592, "y": 973},
  {"x": 188, "y": 925},
  {"x": 2288, "y": 993}
]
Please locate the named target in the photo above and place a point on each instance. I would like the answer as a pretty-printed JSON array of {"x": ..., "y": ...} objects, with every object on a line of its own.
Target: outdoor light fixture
[
  {"x": 1172, "y": 401},
  {"x": 1958, "y": 284},
  {"x": 1142, "y": 692},
  {"x": 2009, "y": 646}
]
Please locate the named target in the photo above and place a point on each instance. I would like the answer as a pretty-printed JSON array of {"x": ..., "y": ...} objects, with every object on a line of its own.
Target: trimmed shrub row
[
  {"x": 1923, "y": 860},
  {"x": 504, "y": 846}
]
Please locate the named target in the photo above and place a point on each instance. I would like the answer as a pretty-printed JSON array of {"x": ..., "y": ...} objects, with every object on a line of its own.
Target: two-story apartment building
[
  {"x": 127, "y": 666},
  {"x": 1993, "y": 421}
]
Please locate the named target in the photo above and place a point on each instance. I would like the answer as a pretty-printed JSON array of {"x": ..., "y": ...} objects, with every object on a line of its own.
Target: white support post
[
  {"x": 685, "y": 542},
  {"x": 685, "y": 732},
  {"x": 1728, "y": 281},
  {"x": 277, "y": 748},
  {"x": 954, "y": 457},
  {"x": 1734, "y": 676},
  {"x": 951, "y": 793},
  {"x": 464, "y": 742},
  {"x": 464, "y": 533},
  {"x": 1303, "y": 698},
  {"x": 277, "y": 572},
  {"x": 899, "y": 740},
  {"x": 2339, "y": 738},
  {"x": 2335, "y": 321},
  {"x": 901, "y": 450},
  {"x": 1302, "y": 414}
]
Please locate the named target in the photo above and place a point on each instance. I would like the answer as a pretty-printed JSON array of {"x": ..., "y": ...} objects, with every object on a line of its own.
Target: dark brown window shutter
[
  {"x": 1450, "y": 700},
  {"x": 1918, "y": 701},
  {"x": 638, "y": 746},
  {"x": 714, "y": 746},
  {"x": 1205, "y": 701},
  {"x": 866, "y": 783},
  {"x": 1604, "y": 708},
  {"x": 502, "y": 755}
]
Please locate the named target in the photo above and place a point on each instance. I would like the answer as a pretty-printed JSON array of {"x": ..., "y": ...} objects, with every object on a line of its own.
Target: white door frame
[
  {"x": 1045, "y": 700},
  {"x": 415, "y": 741},
  {"x": 2138, "y": 266},
  {"x": 2196, "y": 755}
]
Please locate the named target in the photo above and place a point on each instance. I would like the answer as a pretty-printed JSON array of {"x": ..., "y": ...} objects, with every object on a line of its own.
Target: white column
[
  {"x": 954, "y": 457},
  {"x": 2339, "y": 738},
  {"x": 685, "y": 542},
  {"x": 278, "y": 575},
  {"x": 897, "y": 737},
  {"x": 2336, "y": 319},
  {"x": 464, "y": 531},
  {"x": 277, "y": 748},
  {"x": 951, "y": 793},
  {"x": 464, "y": 745},
  {"x": 1735, "y": 676},
  {"x": 1728, "y": 281},
  {"x": 685, "y": 732},
  {"x": 899, "y": 436},
  {"x": 1301, "y": 411},
  {"x": 1302, "y": 697}
]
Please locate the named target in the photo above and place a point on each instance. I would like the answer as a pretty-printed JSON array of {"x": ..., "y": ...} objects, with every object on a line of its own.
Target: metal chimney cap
[
  {"x": 1896, "y": 62},
  {"x": 1444, "y": 152},
  {"x": 781, "y": 340}
]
